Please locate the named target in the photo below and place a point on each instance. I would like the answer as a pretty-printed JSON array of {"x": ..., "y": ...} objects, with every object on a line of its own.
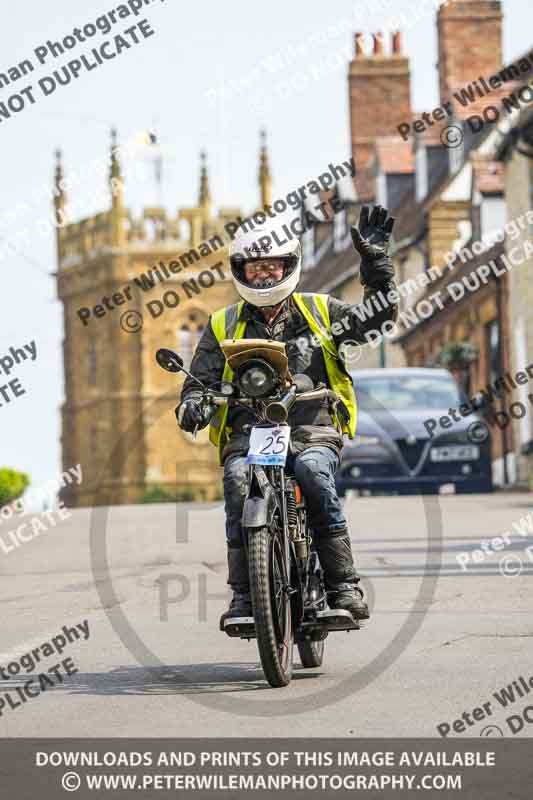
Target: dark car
[{"x": 393, "y": 451}]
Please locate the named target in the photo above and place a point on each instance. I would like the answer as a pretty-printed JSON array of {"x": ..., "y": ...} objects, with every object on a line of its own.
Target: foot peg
[
  {"x": 240, "y": 627},
  {"x": 338, "y": 619}
]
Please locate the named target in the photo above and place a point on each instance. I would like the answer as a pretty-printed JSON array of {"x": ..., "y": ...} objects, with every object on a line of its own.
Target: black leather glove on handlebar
[
  {"x": 194, "y": 413},
  {"x": 371, "y": 240}
]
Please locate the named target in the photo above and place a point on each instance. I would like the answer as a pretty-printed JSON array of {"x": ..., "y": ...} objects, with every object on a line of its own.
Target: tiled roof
[
  {"x": 410, "y": 219},
  {"x": 457, "y": 273},
  {"x": 394, "y": 156}
]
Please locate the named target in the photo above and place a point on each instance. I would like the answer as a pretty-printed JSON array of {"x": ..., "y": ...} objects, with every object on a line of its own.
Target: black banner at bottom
[{"x": 489, "y": 768}]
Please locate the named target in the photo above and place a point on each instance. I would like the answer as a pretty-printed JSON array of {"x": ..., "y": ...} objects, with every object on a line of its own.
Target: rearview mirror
[{"x": 169, "y": 360}]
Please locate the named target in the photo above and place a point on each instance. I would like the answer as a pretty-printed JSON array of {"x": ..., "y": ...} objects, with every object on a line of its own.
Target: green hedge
[
  {"x": 12, "y": 485},
  {"x": 156, "y": 494}
]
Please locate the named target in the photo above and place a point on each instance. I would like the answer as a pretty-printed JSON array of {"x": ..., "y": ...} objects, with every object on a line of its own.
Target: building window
[
  {"x": 421, "y": 174},
  {"x": 456, "y": 148},
  {"x": 339, "y": 230},
  {"x": 493, "y": 351},
  {"x": 189, "y": 336},
  {"x": 492, "y": 215},
  {"x": 91, "y": 364},
  {"x": 308, "y": 249},
  {"x": 381, "y": 189}
]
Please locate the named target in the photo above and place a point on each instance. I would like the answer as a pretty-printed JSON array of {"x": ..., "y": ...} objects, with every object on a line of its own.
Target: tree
[{"x": 12, "y": 485}]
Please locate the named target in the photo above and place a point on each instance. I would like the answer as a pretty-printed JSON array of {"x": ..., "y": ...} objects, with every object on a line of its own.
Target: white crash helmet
[{"x": 247, "y": 247}]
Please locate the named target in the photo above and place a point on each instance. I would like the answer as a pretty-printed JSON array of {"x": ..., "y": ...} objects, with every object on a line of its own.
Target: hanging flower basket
[{"x": 457, "y": 356}]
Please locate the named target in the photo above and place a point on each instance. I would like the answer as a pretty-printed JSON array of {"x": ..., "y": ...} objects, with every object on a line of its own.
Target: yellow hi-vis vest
[{"x": 226, "y": 324}]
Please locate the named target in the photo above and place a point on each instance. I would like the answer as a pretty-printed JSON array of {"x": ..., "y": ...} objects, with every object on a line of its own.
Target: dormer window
[
  {"x": 339, "y": 230},
  {"x": 308, "y": 249},
  {"x": 421, "y": 162},
  {"x": 456, "y": 146}
]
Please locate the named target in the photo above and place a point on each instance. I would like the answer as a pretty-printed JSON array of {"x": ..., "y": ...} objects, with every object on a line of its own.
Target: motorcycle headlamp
[{"x": 257, "y": 378}]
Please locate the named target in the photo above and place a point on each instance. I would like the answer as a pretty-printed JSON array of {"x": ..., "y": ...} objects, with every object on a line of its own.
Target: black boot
[
  {"x": 341, "y": 578},
  {"x": 238, "y": 578},
  {"x": 350, "y": 598}
]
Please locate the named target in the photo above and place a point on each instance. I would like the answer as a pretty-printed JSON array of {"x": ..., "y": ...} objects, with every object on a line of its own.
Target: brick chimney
[
  {"x": 380, "y": 100},
  {"x": 470, "y": 43}
]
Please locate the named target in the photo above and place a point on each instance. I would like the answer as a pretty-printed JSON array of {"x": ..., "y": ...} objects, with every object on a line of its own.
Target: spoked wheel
[
  {"x": 312, "y": 652},
  {"x": 272, "y": 607}
]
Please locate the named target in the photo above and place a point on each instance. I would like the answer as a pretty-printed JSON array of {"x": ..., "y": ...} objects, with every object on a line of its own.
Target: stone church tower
[{"x": 118, "y": 415}]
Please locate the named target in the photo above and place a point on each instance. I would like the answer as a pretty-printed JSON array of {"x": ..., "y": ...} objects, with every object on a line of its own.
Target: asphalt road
[{"x": 441, "y": 641}]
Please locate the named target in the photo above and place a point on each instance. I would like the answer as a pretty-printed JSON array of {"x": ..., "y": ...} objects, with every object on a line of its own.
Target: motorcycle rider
[{"x": 314, "y": 327}]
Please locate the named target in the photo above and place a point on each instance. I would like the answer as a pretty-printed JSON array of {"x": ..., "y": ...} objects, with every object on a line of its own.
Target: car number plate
[
  {"x": 269, "y": 445},
  {"x": 456, "y": 452}
]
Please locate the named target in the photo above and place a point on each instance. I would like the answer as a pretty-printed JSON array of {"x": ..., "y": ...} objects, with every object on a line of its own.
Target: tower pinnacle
[
  {"x": 265, "y": 178},
  {"x": 204, "y": 200},
  {"x": 60, "y": 197},
  {"x": 117, "y": 193}
]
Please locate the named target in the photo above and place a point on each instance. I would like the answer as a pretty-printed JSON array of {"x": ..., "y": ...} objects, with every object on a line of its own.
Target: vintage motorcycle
[{"x": 286, "y": 579}]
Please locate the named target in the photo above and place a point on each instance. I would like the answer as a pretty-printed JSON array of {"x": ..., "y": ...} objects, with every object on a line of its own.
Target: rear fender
[{"x": 261, "y": 501}]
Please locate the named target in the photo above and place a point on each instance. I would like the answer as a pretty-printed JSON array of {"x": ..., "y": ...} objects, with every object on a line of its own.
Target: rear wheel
[
  {"x": 312, "y": 650},
  {"x": 272, "y": 607},
  {"x": 311, "y": 653}
]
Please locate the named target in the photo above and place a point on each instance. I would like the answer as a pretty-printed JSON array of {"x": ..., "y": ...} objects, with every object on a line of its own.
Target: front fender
[{"x": 261, "y": 501}]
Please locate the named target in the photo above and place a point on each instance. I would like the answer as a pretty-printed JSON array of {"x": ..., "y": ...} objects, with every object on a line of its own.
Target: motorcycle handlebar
[{"x": 315, "y": 394}]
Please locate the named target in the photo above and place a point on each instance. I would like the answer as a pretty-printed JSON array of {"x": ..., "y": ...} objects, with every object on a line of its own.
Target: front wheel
[
  {"x": 311, "y": 653},
  {"x": 271, "y": 605}
]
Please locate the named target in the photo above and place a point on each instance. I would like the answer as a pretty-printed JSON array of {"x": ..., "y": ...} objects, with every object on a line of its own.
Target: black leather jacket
[{"x": 311, "y": 423}]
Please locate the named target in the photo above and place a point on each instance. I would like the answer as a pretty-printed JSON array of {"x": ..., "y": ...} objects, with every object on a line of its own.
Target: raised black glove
[
  {"x": 193, "y": 413},
  {"x": 371, "y": 240}
]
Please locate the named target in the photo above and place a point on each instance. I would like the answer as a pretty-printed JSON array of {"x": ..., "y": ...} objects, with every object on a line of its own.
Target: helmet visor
[{"x": 276, "y": 268}]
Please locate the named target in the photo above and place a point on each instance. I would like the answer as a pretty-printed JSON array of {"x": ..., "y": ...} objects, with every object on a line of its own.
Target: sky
[{"x": 210, "y": 77}]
